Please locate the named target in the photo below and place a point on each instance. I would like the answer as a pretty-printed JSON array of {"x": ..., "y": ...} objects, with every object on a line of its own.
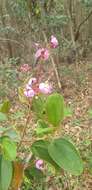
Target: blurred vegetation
[{"x": 23, "y": 21}]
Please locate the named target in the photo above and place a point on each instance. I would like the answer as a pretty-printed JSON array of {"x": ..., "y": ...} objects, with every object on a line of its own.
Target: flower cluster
[
  {"x": 25, "y": 68},
  {"x": 33, "y": 88},
  {"x": 43, "y": 53}
]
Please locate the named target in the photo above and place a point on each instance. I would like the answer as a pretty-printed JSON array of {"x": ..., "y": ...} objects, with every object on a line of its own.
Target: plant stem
[
  {"x": 24, "y": 129},
  {"x": 56, "y": 72}
]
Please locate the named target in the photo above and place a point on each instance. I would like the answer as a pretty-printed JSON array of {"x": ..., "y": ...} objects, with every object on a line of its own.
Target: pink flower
[
  {"x": 34, "y": 88},
  {"x": 28, "y": 87},
  {"x": 32, "y": 81},
  {"x": 29, "y": 93},
  {"x": 45, "y": 88},
  {"x": 45, "y": 55},
  {"x": 24, "y": 68},
  {"x": 39, "y": 164},
  {"x": 42, "y": 53},
  {"x": 38, "y": 53},
  {"x": 53, "y": 42}
]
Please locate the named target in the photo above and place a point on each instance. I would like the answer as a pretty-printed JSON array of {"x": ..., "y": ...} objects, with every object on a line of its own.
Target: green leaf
[
  {"x": 89, "y": 162},
  {"x": 3, "y": 117},
  {"x": 6, "y": 172},
  {"x": 43, "y": 128},
  {"x": 9, "y": 149},
  {"x": 66, "y": 156},
  {"x": 40, "y": 149},
  {"x": 55, "y": 109},
  {"x": 13, "y": 135},
  {"x": 5, "y": 107},
  {"x": 42, "y": 124},
  {"x": 34, "y": 173},
  {"x": 38, "y": 106}
]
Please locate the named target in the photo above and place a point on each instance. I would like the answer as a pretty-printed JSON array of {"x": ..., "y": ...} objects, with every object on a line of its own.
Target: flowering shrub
[
  {"x": 45, "y": 109},
  {"x": 45, "y": 148}
]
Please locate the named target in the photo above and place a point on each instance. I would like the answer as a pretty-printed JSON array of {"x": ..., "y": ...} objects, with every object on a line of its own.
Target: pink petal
[
  {"x": 45, "y": 88},
  {"x": 39, "y": 164},
  {"x": 32, "y": 81},
  {"x": 28, "y": 87},
  {"x": 54, "y": 42},
  {"x": 42, "y": 53},
  {"x": 46, "y": 54},
  {"x": 29, "y": 93},
  {"x": 38, "y": 53}
]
